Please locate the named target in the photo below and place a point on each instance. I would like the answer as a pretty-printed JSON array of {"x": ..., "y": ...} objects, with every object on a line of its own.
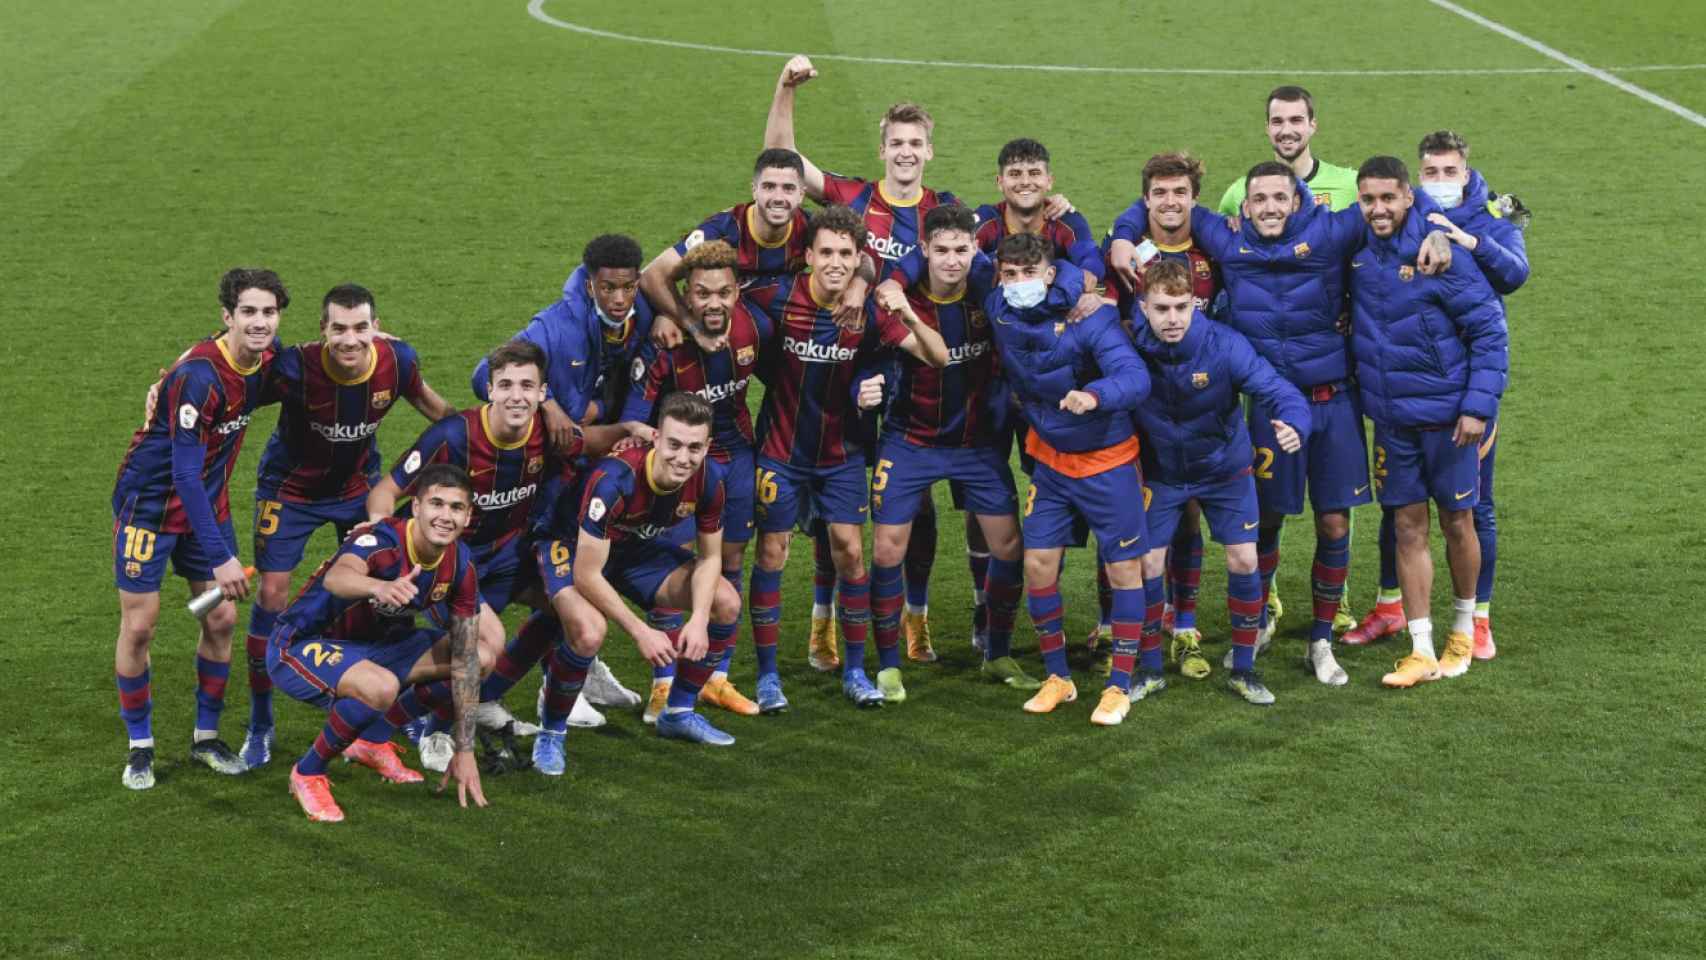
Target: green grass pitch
[{"x": 455, "y": 155}]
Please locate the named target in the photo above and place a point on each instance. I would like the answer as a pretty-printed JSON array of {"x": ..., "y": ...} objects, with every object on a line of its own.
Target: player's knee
[
  {"x": 1006, "y": 545},
  {"x": 488, "y": 658},
  {"x": 586, "y": 633},
  {"x": 1241, "y": 558},
  {"x": 888, "y": 548},
  {"x": 218, "y": 626},
  {"x": 725, "y": 606},
  {"x": 1333, "y": 525},
  {"x": 1154, "y": 564},
  {"x": 1127, "y": 574},
  {"x": 1457, "y": 523},
  {"x": 1041, "y": 569},
  {"x": 272, "y": 595},
  {"x": 772, "y": 551},
  {"x": 381, "y": 691},
  {"x": 134, "y": 639}
]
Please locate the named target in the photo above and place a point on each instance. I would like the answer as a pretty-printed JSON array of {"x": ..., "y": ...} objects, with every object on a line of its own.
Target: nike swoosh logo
[
  {"x": 1127, "y": 543},
  {"x": 577, "y": 363},
  {"x": 1252, "y": 526},
  {"x": 1355, "y": 264},
  {"x": 1465, "y": 493},
  {"x": 1245, "y": 250},
  {"x": 481, "y": 473},
  {"x": 1358, "y": 491}
]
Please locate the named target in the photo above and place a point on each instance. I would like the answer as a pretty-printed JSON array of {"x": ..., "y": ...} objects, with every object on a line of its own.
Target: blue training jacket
[
  {"x": 1500, "y": 250},
  {"x": 1043, "y": 358},
  {"x": 1193, "y": 424},
  {"x": 1428, "y": 349}
]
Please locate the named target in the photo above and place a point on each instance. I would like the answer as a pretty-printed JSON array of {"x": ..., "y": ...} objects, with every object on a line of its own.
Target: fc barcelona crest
[
  {"x": 685, "y": 508},
  {"x": 535, "y": 464},
  {"x": 1201, "y": 266},
  {"x": 978, "y": 320},
  {"x": 1323, "y": 199},
  {"x": 1059, "y": 329},
  {"x": 1406, "y": 273},
  {"x": 744, "y": 355},
  {"x": 1199, "y": 380},
  {"x": 439, "y": 590},
  {"x": 381, "y": 399},
  {"x": 1301, "y": 250}
]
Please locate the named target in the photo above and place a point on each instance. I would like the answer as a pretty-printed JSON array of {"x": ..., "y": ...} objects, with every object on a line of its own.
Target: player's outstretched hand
[
  {"x": 798, "y": 70},
  {"x": 849, "y": 312},
  {"x": 1055, "y": 206},
  {"x": 870, "y": 392},
  {"x": 890, "y": 296},
  {"x": 1469, "y": 430},
  {"x": 666, "y": 333},
  {"x": 1465, "y": 240},
  {"x": 694, "y": 641},
  {"x": 638, "y": 430},
  {"x": 1286, "y": 436},
  {"x": 654, "y": 645},
  {"x": 399, "y": 592},
  {"x": 232, "y": 580},
  {"x": 1435, "y": 256},
  {"x": 467, "y": 773},
  {"x": 561, "y": 428},
  {"x": 1079, "y": 401},
  {"x": 1088, "y": 302}
]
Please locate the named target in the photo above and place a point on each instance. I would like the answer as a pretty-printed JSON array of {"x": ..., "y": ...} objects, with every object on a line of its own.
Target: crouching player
[
  {"x": 623, "y": 548},
  {"x": 1198, "y": 447},
  {"x": 349, "y": 642},
  {"x": 1077, "y": 385}
]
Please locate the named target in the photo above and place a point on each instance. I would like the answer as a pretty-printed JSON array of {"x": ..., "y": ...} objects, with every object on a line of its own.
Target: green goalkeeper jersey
[{"x": 1334, "y": 186}]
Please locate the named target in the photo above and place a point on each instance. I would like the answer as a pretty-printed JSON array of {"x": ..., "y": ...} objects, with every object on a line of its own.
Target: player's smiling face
[
  {"x": 1024, "y": 184},
  {"x": 711, "y": 296},
  {"x": 1268, "y": 202},
  {"x": 614, "y": 290},
  {"x": 833, "y": 257},
  {"x": 1384, "y": 203},
  {"x": 949, "y": 255},
  {"x": 679, "y": 450},
  {"x": 441, "y": 514},
  {"x": 1169, "y": 314},
  {"x": 1290, "y": 128},
  {"x": 1170, "y": 201},
  {"x": 905, "y": 150},
  {"x": 778, "y": 193},
  {"x": 254, "y": 323},
  {"x": 516, "y": 390},
  {"x": 348, "y": 335}
]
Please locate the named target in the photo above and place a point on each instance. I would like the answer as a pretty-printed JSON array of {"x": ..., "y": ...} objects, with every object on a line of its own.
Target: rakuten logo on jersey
[
  {"x": 967, "y": 351},
  {"x": 343, "y": 432},
  {"x": 891, "y": 249},
  {"x": 231, "y": 426},
  {"x": 503, "y": 499},
  {"x": 717, "y": 392},
  {"x": 813, "y": 352}
]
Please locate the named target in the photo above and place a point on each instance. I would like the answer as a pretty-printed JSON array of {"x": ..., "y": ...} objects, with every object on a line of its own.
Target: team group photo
[{"x": 833, "y": 492}]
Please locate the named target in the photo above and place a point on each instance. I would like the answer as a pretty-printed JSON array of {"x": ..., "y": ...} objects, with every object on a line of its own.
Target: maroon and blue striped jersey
[
  {"x": 621, "y": 504},
  {"x": 758, "y": 262},
  {"x": 1070, "y": 233},
  {"x": 808, "y": 369},
  {"x": 507, "y": 478},
  {"x": 447, "y": 589},
  {"x": 719, "y": 376},
  {"x": 1205, "y": 273},
  {"x": 325, "y": 446},
  {"x": 949, "y": 407},
  {"x": 897, "y": 226},
  {"x": 205, "y": 399}
]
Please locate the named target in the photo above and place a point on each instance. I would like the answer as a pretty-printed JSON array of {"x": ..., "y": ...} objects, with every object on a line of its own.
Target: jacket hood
[{"x": 574, "y": 288}]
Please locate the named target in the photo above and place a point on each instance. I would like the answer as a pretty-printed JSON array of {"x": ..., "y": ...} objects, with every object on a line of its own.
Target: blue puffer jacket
[
  {"x": 1193, "y": 425},
  {"x": 1284, "y": 294},
  {"x": 1428, "y": 349},
  {"x": 1043, "y": 358},
  {"x": 1500, "y": 250},
  {"x": 580, "y": 366}
]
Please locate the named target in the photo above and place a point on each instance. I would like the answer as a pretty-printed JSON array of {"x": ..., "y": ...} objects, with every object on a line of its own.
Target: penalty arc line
[
  {"x": 536, "y": 9},
  {"x": 1573, "y": 63}
]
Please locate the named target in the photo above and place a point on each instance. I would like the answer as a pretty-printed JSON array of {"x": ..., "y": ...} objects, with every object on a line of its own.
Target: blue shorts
[
  {"x": 835, "y": 494},
  {"x": 282, "y": 528},
  {"x": 635, "y": 571},
  {"x": 1110, "y": 503},
  {"x": 1413, "y": 464},
  {"x": 139, "y": 556},
  {"x": 503, "y": 572},
  {"x": 738, "y": 490},
  {"x": 1333, "y": 462},
  {"x": 309, "y": 668},
  {"x": 1229, "y": 505},
  {"x": 906, "y": 471}
]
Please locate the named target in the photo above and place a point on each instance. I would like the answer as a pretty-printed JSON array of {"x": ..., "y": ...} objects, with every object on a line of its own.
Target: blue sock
[
  {"x": 1047, "y": 616},
  {"x": 853, "y": 613},
  {"x": 565, "y": 675},
  {"x": 887, "y": 589},
  {"x": 1128, "y": 609},
  {"x": 669, "y": 621},
  {"x": 211, "y": 676},
  {"x": 766, "y": 616},
  {"x": 136, "y": 706},
  {"x": 1243, "y": 607},
  {"x": 1004, "y": 586},
  {"x": 1487, "y": 531},
  {"x": 1150, "y": 654},
  {"x": 261, "y": 623},
  {"x": 733, "y": 577},
  {"x": 347, "y": 718}
]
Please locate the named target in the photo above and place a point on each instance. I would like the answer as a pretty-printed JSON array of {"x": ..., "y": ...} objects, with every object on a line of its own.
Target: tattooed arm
[{"x": 465, "y": 694}]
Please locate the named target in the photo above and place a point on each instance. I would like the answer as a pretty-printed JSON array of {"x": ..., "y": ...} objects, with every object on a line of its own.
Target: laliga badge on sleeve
[
  {"x": 1147, "y": 251},
  {"x": 187, "y": 415}
]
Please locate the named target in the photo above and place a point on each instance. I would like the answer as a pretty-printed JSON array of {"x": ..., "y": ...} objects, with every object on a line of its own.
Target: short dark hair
[
  {"x": 611, "y": 250},
  {"x": 349, "y": 296},
  {"x": 1176, "y": 164},
  {"x": 781, "y": 159},
  {"x": 1290, "y": 93},
  {"x": 1443, "y": 141},
  {"x": 516, "y": 352},
  {"x": 1384, "y": 168},
  {"x": 1268, "y": 168},
  {"x": 1024, "y": 249},
  {"x": 443, "y": 475},
  {"x": 1020, "y": 151},
  {"x": 837, "y": 218},
  {"x": 238, "y": 279},
  {"x": 685, "y": 408},
  {"x": 952, "y": 216}
]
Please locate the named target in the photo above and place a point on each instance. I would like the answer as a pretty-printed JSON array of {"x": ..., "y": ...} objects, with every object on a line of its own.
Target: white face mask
[
  {"x": 1444, "y": 192},
  {"x": 604, "y": 318},
  {"x": 1024, "y": 293}
]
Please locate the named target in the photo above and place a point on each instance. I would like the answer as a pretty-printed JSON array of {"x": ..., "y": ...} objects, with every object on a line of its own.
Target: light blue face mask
[
  {"x": 1024, "y": 293},
  {"x": 1444, "y": 192},
  {"x": 605, "y": 318}
]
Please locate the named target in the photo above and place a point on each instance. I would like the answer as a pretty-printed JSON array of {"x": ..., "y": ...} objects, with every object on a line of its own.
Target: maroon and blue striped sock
[
  {"x": 136, "y": 707},
  {"x": 670, "y": 622},
  {"x": 565, "y": 674},
  {"x": 211, "y": 677},
  {"x": 1003, "y": 588},
  {"x": 694, "y": 674},
  {"x": 887, "y": 594},
  {"x": 1129, "y": 610},
  {"x": 766, "y": 616},
  {"x": 1267, "y": 561},
  {"x": 1184, "y": 573},
  {"x": 1327, "y": 580},
  {"x": 536, "y": 637},
  {"x": 733, "y": 577},
  {"x": 409, "y": 706},
  {"x": 1244, "y": 613},
  {"x": 261, "y": 622},
  {"x": 920, "y": 559},
  {"x": 1149, "y": 647},
  {"x": 853, "y": 611},
  {"x": 1047, "y": 615},
  {"x": 347, "y": 718}
]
